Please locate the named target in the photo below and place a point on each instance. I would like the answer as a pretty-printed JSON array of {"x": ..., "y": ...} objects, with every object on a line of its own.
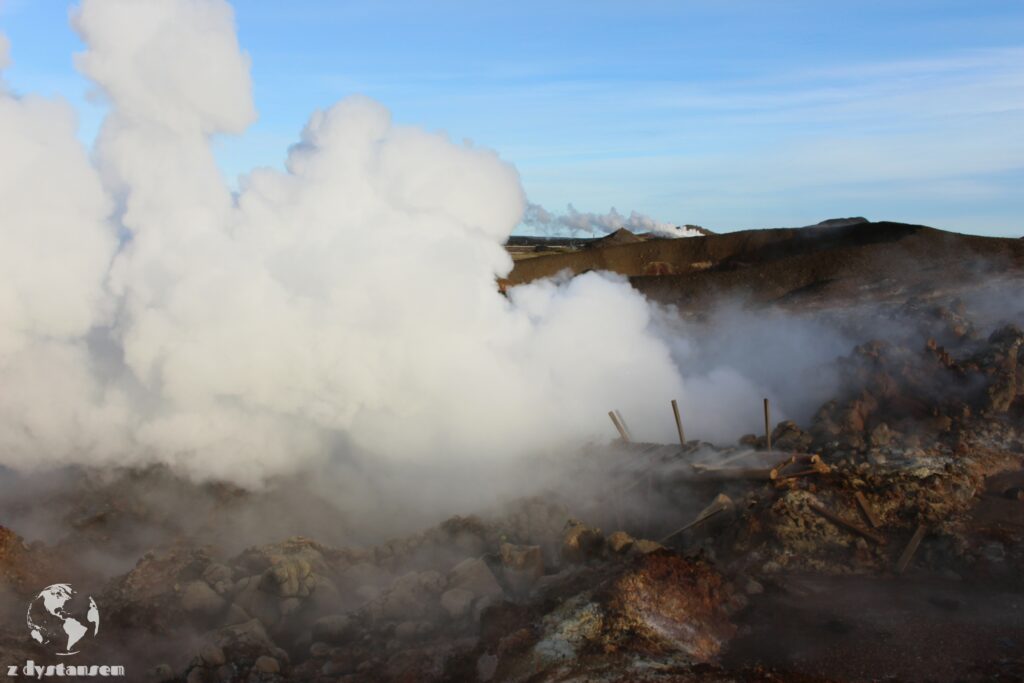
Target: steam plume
[
  {"x": 350, "y": 301},
  {"x": 575, "y": 222}
]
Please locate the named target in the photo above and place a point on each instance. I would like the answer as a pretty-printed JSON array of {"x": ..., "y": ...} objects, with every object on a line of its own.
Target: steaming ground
[
  {"x": 730, "y": 357},
  {"x": 367, "y": 569}
]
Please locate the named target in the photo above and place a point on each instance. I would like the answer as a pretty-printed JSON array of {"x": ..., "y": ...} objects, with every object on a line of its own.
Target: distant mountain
[
  {"x": 839, "y": 222},
  {"x": 614, "y": 239}
]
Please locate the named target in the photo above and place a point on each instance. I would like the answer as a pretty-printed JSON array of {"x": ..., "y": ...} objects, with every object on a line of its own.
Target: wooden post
[
  {"x": 622, "y": 421},
  {"x": 679, "y": 423},
  {"x": 618, "y": 426},
  {"x": 767, "y": 425}
]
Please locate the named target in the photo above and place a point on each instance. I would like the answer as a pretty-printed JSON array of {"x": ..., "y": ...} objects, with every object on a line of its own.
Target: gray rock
[
  {"x": 522, "y": 565},
  {"x": 334, "y": 628},
  {"x": 289, "y": 606},
  {"x": 360, "y": 574},
  {"x": 197, "y": 597},
  {"x": 267, "y": 665},
  {"x": 161, "y": 673},
  {"x": 645, "y": 546},
  {"x": 620, "y": 542},
  {"x": 212, "y": 656},
  {"x": 368, "y": 592},
  {"x": 431, "y": 582},
  {"x": 473, "y": 575},
  {"x": 407, "y": 630},
  {"x": 399, "y": 603},
  {"x": 994, "y": 552},
  {"x": 289, "y": 577},
  {"x": 523, "y": 558},
  {"x": 881, "y": 435},
  {"x": 486, "y": 666},
  {"x": 336, "y": 668},
  {"x": 236, "y": 615},
  {"x": 456, "y": 602},
  {"x": 220, "y": 577},
  {"x": 481, "y": 604},
  {"x": 257, "y": 602},
  {"x": 247, "y": 635}
]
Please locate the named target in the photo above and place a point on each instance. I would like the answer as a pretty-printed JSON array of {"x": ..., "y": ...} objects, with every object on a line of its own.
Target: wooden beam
[
  {"x": 867, "y": 510},
  {"x": 849, "y": 526},
  {"x": 767, "y": 425}
]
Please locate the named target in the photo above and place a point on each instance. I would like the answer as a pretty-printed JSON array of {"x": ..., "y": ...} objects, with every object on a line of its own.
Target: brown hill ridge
[{"x": 837, "y": 261}]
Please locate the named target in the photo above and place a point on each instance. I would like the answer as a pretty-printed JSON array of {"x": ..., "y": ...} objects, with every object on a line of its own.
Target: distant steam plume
[
  {"x": 575, "y": 222},
  {"x": 150, "y": 316}
]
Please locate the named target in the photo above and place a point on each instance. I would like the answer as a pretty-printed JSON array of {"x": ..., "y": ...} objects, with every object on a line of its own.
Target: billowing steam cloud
[
  {"x": 349, "y": 302},
  {"x": 574, "y": 222}
]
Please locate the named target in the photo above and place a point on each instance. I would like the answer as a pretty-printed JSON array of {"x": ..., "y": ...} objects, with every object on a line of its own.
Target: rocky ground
[{"x": 882, "y": 540}]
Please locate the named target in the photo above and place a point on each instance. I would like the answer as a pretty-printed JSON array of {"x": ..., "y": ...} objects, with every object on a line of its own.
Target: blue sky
[{"x": 723, "y": 113}]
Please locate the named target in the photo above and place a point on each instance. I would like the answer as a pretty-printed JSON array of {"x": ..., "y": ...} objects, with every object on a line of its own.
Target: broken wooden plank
[
  {"x": 867, "y": 510},
  {"x": 849, "y": 526},
  {"x": 783, "y": 464},
  {"x": 911, "y": 549}
]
